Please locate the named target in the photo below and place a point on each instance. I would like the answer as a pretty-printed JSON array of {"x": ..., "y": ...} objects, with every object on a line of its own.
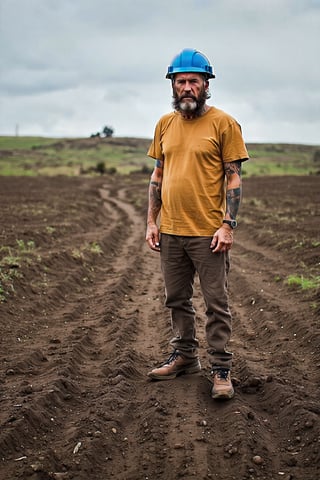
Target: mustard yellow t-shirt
[{"x": 193, "y": 186}]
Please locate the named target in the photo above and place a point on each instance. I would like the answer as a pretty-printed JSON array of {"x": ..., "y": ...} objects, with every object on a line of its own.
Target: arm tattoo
[
  {"x": 155, "y": 190},
  {"x": 154, "y": 200},
  {"x": 233, "y": 201},
  {"x": 233, "y": 174},
  {"x": 159, "y": 164},
  {"x": 155, "y": 185},
  {"x": 233, "y": 168}
]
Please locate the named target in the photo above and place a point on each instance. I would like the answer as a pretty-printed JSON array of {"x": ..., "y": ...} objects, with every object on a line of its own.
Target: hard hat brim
[{"x": 173, "y": 71}]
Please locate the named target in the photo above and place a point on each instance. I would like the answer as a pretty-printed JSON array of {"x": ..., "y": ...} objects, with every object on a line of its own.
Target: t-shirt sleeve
[
  {"x": 155, "y": 149},
  {"x": 232, "y": 146}
]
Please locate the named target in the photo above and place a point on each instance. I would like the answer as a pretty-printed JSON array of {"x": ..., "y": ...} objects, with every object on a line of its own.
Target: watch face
[{"x": 232, "y": 223}]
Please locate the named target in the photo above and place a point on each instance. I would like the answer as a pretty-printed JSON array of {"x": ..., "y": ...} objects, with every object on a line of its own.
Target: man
[{"x": 195, "y": 187}]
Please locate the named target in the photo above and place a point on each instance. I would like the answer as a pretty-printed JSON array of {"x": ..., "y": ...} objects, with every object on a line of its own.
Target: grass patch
[
  {"x": 7, "y": 278},
  {"x": 303, "y": 282},
  {"x": 280, "y": 159},
  {"x": 93, "y": 247},
  {"x": 11, "y": 260},
  {"x": 20, "y": 143},
  {"x": 25, "y": 247}
]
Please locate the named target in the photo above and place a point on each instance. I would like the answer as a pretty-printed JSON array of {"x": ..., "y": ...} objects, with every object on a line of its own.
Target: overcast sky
[{"x": 69, "y": 67}]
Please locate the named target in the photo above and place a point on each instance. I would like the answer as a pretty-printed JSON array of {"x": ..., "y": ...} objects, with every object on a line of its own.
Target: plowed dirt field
[{"x": 83, "y": 321}]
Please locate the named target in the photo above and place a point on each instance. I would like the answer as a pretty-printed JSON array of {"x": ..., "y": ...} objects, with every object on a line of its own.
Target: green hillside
[{"x": 51, "y": 156}]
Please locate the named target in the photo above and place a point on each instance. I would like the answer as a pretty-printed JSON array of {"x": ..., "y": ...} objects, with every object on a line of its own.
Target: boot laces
[
  {"x": 173, "y": 356},
  {"x": 221, "y": 373}
]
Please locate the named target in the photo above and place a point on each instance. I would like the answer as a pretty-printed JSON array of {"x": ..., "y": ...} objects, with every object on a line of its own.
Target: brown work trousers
[{"x": 181, "y": 258}]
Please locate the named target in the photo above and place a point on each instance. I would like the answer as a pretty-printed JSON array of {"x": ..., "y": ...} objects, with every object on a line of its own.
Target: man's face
[{"x": 189, "y": 92}]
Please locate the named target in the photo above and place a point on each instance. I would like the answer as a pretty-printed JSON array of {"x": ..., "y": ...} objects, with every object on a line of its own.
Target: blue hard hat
[{"x": 190, "y": 60}]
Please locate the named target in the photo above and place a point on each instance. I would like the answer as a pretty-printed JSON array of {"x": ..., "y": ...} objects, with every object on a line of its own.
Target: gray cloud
[{"x": 68, "y": 68}]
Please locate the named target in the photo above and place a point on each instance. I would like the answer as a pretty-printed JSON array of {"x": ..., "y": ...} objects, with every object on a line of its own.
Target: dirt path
[{"x": 85, "y": 325}]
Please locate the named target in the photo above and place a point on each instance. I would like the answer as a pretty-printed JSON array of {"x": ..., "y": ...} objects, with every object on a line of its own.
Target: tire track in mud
[{"x": 82, "y": 350}]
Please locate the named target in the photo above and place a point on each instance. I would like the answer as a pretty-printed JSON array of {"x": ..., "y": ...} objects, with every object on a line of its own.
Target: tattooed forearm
[
  {"x": 156, "y": 187},
  {"x": 154, "y": 201},
  {"x": 233, "y": 174},
  {"x": 233, "y": 202},
  {"x": 155, "y": 191},
  {"x": 154, "y": 206}
]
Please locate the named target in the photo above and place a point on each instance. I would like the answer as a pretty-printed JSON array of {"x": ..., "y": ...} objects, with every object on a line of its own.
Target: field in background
[
  {"x": 83, "y": 321},
  {"x": 30, "y": 156}
]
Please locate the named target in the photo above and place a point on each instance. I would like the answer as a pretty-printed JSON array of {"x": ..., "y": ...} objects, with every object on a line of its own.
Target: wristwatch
[{"x": 231, "y": 223}]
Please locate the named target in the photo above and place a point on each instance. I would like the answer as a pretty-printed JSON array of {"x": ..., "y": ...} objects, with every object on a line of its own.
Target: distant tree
[
  {"x": 107, "y": 131},
  {"x": 94, "y": 135},
  {"x": 316, "y": 157},
  {"x": 101, "y": 168}
]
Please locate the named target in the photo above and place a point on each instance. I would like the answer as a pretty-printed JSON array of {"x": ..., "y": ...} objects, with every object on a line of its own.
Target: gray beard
[
  {"x": 195, "y": 107},
  {"x": 188, "y": 106}
]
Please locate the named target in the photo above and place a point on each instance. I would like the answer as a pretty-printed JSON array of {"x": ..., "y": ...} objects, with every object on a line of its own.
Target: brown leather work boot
[
  {"x": 177, "y": 364},
  {"x": 222, "y": 386}
]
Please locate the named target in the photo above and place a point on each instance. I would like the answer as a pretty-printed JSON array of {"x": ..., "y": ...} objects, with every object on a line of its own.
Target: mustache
[{"x": 188, "y": 96}]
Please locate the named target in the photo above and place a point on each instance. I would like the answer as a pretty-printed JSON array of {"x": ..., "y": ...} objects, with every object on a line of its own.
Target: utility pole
[{"x": 17, "y": 130}]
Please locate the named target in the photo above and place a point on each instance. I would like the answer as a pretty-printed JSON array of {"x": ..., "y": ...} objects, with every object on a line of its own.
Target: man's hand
[
  {"x": 153, "y": 237},
  {"x": 222, "y": 240}
]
